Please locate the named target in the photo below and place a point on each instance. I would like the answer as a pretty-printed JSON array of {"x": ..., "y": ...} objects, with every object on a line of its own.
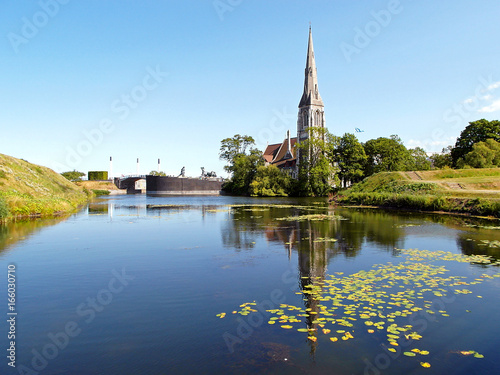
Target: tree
[
  {"x": 73, "y": 175},
  {"x": 242, "y": 164},
  {"x": 419, "y": 161},
  {"x": 386, "y": 155},
  {"x": 351, "y": 158},
  {"x": 270, "y": 181},
  {"x": 155, "y": 173},
  {"x": 483, "y": 155},
  {"x": 243, "y": 170},
  {"x": 443, "y": 160},
  {"x": 316, "y": 171},
  {"x": 477, "y": 131},
  {"x": 232, "y": 147}
]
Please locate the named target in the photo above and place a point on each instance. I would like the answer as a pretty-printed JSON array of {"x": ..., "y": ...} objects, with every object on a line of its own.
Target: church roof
[
  {"x": 311, "y": 94},
  {"x": 270, "y": 152},
  {"x": 279, "y": 153}
]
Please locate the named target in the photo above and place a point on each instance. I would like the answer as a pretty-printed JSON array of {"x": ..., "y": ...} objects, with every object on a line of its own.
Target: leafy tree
[
  {"x": 316, "y": 171},
  {"x": 232, "y": 147},
  {"x": 419, "y": 161},
  {"x": 73, "y": 175},
  {"x": 483, "y": 155},
  {"x": 386, "y": 155},
  {"x": 477, "y": 131},
  {"x": 270, "y": 181},
  {"x": 242, "y": 162},
  {"x": 243, "y": 170},
  {"x": 351, "y": 158},
  {"x": 156, "y": 173},
  {"x": 443, "y": 160}
]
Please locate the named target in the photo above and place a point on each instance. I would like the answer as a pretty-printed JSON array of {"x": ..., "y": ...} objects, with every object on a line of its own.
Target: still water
[{"x": 134, "y": 284}]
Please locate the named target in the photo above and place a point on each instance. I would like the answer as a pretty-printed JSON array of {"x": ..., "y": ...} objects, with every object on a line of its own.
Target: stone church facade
[{"x": 311, "y": 114}]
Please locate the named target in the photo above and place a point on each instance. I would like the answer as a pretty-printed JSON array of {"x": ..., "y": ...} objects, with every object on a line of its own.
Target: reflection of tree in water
[
  {"x": 244, "y": 226},
  {"x": 480, "y": 242}
]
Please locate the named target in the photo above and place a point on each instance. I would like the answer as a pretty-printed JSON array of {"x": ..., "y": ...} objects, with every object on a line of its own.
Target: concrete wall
[{"x": 181, "y": 186}]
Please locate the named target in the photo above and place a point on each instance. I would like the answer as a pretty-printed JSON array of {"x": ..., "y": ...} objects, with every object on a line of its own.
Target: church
[{"x": 311, "y": 114}]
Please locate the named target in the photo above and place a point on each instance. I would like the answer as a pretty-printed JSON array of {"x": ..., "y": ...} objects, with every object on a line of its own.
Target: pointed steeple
[
  {"x": 311, "y": 94},
  {"x": 288, "y": 154}
]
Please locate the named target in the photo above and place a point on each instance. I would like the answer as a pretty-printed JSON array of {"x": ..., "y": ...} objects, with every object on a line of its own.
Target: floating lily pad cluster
[
  {"x": 311, "y": 217},
  {"x": 379, "y": 301},
  {"x": 495, "y": 243}
]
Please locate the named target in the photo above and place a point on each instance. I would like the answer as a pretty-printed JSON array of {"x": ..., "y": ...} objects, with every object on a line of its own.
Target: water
[{"x": 126, "y": 288}]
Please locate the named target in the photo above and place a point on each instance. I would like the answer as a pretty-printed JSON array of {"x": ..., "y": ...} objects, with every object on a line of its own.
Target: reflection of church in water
[
  {"x": 311, "y": 114},
  {"x": 314, "y": 255}
]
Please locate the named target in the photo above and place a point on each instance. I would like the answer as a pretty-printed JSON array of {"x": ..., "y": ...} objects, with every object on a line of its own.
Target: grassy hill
[
  {"x": 31, "y": 190},
  {"x": 475, "y": 191}
]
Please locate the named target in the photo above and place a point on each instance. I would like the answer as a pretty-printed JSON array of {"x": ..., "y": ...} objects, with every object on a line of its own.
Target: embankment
[
  {"x": 30, "y": 190},
  {"x": 470, "y": 191}
]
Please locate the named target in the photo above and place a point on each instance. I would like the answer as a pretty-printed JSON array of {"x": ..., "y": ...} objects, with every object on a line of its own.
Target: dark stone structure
[
  {"x": 128, "y": 183},
  {"x": 162, "y": 185}
]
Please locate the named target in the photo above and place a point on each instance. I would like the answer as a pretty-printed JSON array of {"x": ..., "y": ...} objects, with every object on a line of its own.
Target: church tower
[{"x": 311, "y": 107}]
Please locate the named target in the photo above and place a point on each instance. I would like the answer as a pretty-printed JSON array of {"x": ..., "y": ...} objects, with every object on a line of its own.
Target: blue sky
[{"x": 85, "y": 80}]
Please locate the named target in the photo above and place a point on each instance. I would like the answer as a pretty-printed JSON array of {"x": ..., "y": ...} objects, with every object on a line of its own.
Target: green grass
[
  {"x": 474, "y": 206},
  {"x": 31, "y": 190},
  {"x": 98, "y": 192},
  {"x": 393, "y": 182},
  {"x": 460, "y": 173},
  {"x": 437, "y": 191}
]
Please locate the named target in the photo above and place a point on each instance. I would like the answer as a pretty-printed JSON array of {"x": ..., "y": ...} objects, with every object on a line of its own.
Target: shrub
[
  {"x": 73, "y": 175},
  {"x": 98, "y": 175},
  {"x": 98, "y": 192},
  {"x": 4, "y": 209}
]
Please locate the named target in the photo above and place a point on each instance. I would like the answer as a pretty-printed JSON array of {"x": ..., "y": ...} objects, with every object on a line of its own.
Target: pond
[{"x": 224, "y": 285}]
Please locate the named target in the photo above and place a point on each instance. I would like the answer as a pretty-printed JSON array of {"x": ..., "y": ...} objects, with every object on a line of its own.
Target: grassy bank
[
  {"x": 27, "y": 190},
  {"x": 473, "y": 191}
]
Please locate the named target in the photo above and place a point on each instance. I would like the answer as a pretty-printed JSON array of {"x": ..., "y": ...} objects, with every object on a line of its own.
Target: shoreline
[{"x": 478, "y": 207}]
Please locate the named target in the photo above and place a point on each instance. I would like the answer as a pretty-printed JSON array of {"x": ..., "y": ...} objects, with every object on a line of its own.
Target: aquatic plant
[{"x": 377, "y": 301}]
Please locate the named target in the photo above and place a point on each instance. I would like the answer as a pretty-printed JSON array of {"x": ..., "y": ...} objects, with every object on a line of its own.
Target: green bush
[
  {"x": 98, "y": 192},
  {"x": 98, "y": 175},
  {"x": 73, "y": 175},
  {"x": 4, "y": 209},
  {"x": 476, "y": 206}
]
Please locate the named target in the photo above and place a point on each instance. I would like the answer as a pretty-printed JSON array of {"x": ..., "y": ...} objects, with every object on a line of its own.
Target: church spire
[{"x": 311, "y": 94}]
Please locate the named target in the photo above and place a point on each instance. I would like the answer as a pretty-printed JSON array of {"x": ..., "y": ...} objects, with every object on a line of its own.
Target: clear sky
[{"x": 85, "y": 80}]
